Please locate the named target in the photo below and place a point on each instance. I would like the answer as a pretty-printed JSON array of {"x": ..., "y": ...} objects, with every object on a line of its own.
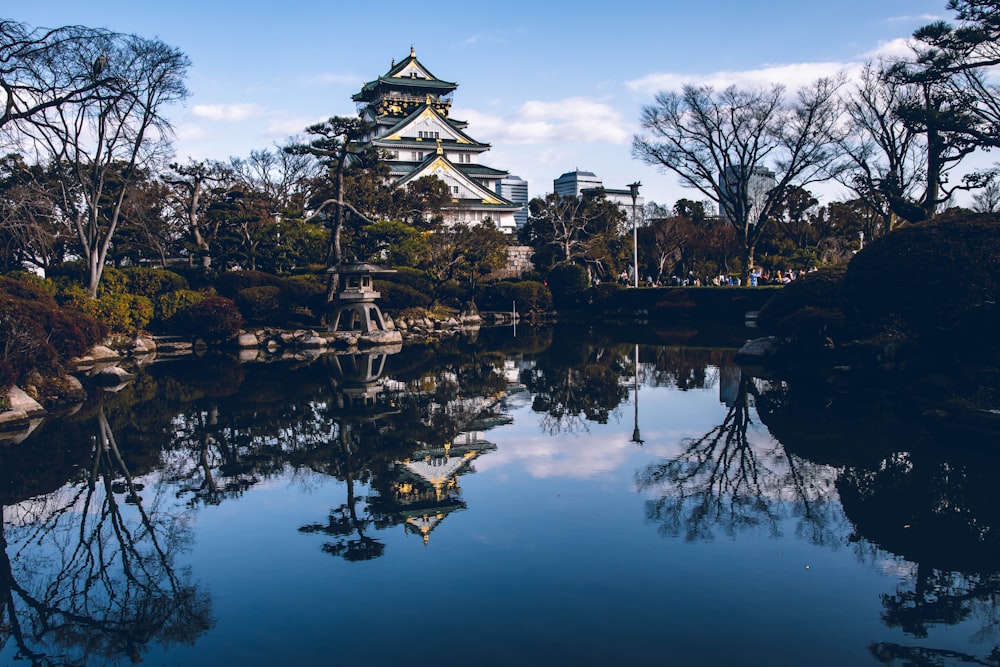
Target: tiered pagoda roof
[{"x": 408, "y": 107}]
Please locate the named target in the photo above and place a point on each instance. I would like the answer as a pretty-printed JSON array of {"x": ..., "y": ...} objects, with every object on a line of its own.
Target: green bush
[
  {"x": 528, "y": 294},
  {"x": 122, "y": 313},
  {"x": 927, "y": 280},
  {"x": 35, "y": 332},
  {"x": 214, "y": 319},
  {"x": 452, "y": 295},
  {"x": 603, "y": 294},
  {"x": 34, "y": 279},
  {"x": 567, "y": 283},
  {"x": 410, "y": 277},
  {"x": 262, "y": 304},
  {"x": 168, "y": 304},
  {"x": 396, "y": 296},
  {"x": 230, "y": 283},
  {"x": 153, "y": 282},
  {"x": 302, "y": 289},
  {"x": 820, "y": 292}
]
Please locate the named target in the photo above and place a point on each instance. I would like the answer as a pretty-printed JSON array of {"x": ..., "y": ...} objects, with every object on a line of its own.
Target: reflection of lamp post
[
  {"x": 634, "y": 189},
  {"x": 635, "y": 431}
]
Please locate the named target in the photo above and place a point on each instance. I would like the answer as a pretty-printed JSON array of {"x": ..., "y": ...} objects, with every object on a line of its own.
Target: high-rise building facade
[
  {"x": 756, "y": 184},
  {"x": 573, "y": 183},
  {"x": 515, "y": 189}
]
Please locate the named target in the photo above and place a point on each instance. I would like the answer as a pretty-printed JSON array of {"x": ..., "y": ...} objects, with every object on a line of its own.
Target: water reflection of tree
[
  {"x": 927, "y": 504},
  {"x": 347, "y": 522},
  {"x": 938, "y": 511},
  {"x": 87, "y": 574},
  {"x": 684, "y": 367},
  {"x": 723, "y": 481},
  {"x": 575, "y": 384}
]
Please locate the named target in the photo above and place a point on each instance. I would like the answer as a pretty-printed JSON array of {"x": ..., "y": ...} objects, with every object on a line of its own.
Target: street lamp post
[{"x": 634, "y": 189}]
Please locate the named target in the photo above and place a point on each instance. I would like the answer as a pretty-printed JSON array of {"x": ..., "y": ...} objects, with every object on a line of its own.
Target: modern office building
[
  {"x": 573, "y": 183},
  {"x": 757, "y": 183},
  {"x": 515, "y": 189},
  {"x": 409, "y": 110}
]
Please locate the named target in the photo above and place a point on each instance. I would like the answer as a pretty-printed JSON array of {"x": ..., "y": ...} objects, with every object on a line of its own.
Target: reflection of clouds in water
[
  {"x": 897, "y": 567},
  {"x": 72, "y": 499},
  {"x": 582, "y": 456},
  {"x": 666, "y": 419}
]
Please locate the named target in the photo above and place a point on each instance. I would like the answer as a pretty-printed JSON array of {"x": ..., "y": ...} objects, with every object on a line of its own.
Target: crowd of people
[{"x": 757, "y": 277}]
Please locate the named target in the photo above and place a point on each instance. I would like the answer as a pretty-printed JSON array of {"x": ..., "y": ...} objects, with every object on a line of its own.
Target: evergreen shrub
[
  {"x": 36, "y": 332},
  {"x": 121, "y": 312},
  {"x": 168, "y": 304},
  {"x": 230, "y": 283},
  {"x": 927, "y": 280},
  {"x": 397, "y": 296},
  {"x": 153, "y": 282},
  {"x": 214, "y": 318},
  {"x": 567, "y": 283},
  {"x": 262, "y": 305},
  {"x": 528, "y": 294},
  {"x": 813, "y": 302}
]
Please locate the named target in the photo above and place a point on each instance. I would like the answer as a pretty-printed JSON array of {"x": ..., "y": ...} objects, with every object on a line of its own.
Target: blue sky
[{"x": 552, "y": 86}]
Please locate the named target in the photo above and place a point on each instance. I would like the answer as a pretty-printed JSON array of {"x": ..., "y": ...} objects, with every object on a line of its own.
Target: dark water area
[{"x": 558, "y": 496}]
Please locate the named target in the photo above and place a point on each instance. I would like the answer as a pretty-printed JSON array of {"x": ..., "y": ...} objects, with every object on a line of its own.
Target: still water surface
[{"x": 534, "y": 500}]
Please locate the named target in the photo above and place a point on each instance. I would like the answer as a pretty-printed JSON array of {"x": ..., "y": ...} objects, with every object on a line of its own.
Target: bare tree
[
  {"x": 99, "y": 144},
  {"x": 716, "y": 143},
  {"x": 191, "y": 186},
  {"x": 44, "y": 68},
  {"x": 987, "y": 200},
  {"x": 284, "y": 178},
  {"x": 573, "y": 229}
]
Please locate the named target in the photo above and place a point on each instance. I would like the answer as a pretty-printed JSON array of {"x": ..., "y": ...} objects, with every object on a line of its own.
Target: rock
[
  {"x": 378, "y": 338},
  {"x": 96, "y": 353},
  {"x": 174, "y": 347},
  {"x": 312, "y": 343},
  {"x": 20, "y": 402},
  {"x": 756, "y": 350},
  {"x": 246, "y": 341},
  {"x": 112, "y": 376},
  {"x": 102, "y": 352},
  {"x": 72, "y": 389},
  {"x": 13, "y": 420},
  {"x": 143, "y": 345}
]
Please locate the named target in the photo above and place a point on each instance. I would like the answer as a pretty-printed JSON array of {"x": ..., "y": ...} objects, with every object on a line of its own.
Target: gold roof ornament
[
  {"x": 439, "y": 149},
  {"x": 413, "y": 54}
]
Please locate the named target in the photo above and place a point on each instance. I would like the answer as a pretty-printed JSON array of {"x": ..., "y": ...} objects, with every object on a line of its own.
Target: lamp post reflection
[{"x": 635, "y": 430}]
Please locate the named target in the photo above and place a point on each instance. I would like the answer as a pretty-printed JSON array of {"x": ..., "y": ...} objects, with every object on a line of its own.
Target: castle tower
[{"x": 410, "y": 109}]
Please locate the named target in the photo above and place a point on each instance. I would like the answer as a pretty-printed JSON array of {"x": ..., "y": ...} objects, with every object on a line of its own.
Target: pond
[{"x": 528, "y": 497}]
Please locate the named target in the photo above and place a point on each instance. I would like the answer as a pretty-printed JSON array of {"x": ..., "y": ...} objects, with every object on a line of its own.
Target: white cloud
[
  {"x": 575, "y": 119},
  {"x": 190, "y": 132},
  {"x": 927, "y": 18},
  {"x": 900, "y": 47},
  {"x": 227, "y": 112},
  {"x": 288, "y": 126},
  {"x": 793, "y": 77}
]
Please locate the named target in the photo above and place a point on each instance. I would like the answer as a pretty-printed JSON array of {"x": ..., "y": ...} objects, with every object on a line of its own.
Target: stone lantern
[{"x": 354, "y": 309}]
